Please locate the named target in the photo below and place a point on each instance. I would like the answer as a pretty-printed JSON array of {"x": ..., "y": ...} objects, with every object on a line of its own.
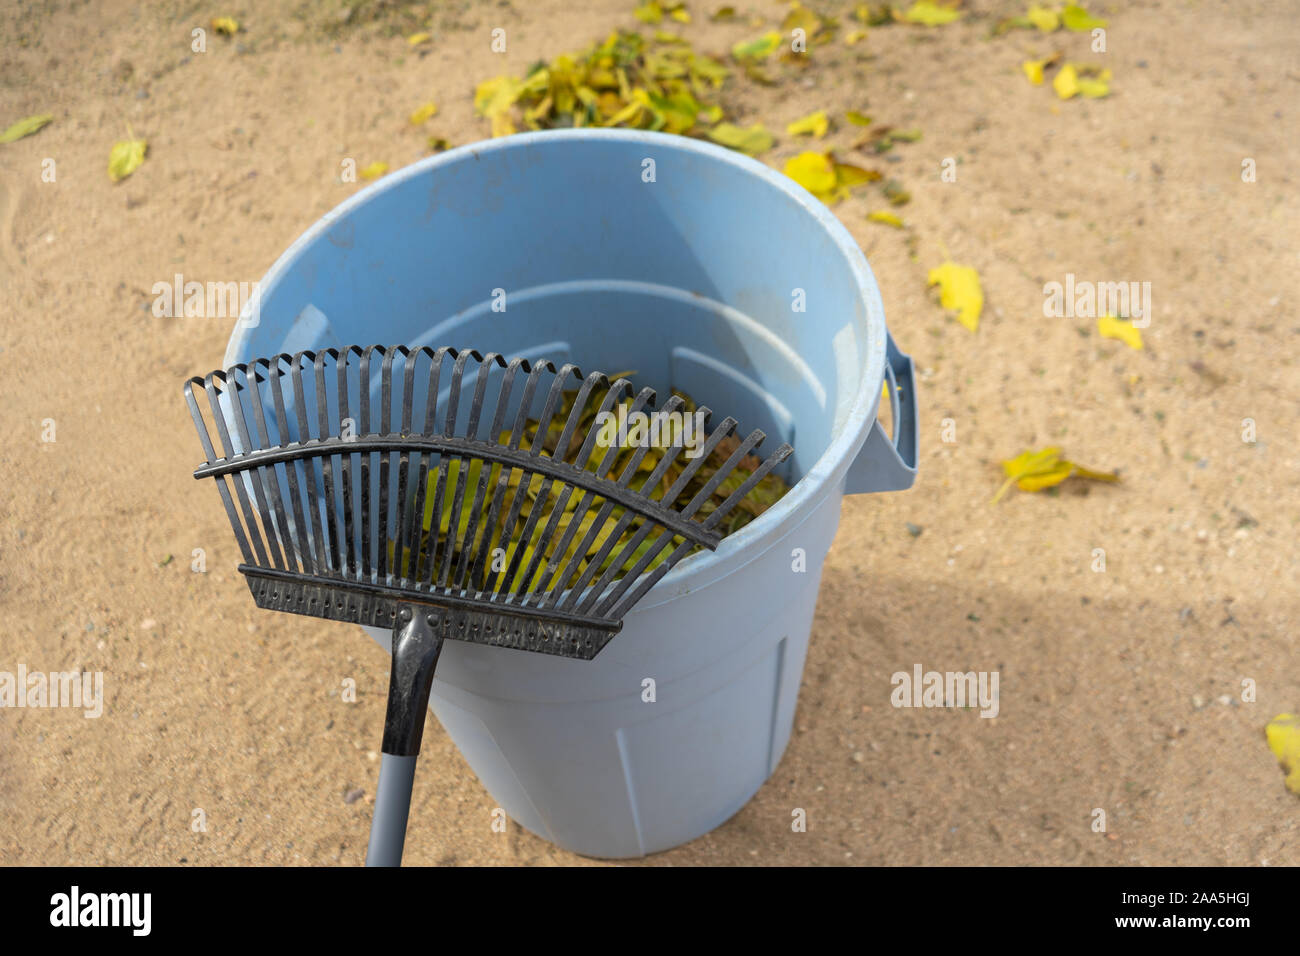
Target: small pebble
[
  {"x": 353, "y": 795},
  {"x": 914, "y": 529}
]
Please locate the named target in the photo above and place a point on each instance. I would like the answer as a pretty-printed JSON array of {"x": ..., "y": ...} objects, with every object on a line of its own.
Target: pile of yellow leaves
[
  {"x": 627, "y": 81},
  {"x": 1036, "y": 470}
]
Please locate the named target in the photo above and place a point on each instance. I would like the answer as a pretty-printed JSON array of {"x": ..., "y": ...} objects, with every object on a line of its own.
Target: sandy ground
[{"x": 1120, "y": 690}]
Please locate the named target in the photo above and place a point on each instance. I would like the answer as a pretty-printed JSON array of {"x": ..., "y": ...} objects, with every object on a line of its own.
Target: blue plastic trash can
[{"x": 702, "y": 270}]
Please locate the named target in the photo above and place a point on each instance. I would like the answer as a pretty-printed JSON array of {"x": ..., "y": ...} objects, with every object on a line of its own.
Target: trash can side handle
[{"x": 884, "y": 463}]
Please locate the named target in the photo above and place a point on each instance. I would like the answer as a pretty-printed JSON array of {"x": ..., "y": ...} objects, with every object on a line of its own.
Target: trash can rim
[{"x": 850, "y": 431}]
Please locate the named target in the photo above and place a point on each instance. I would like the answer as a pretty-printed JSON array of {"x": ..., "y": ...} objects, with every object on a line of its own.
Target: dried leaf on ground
[
  {"x": 1036, "y": 470},
  {"x": 126, "y": 157},
  {"x": 1283, "y": 735},
  {"x": 25, "y": 127},
  {"x": 959, "y": 289},
  {"x": 814, "y": 124},
  {"x": 1111, "y": 327}
]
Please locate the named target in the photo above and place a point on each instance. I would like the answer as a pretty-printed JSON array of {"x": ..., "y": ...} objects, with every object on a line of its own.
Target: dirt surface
[{"x": 1121, "y": 689}]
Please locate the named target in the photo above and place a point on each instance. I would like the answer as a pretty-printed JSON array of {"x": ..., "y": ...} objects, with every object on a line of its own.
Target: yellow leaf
[
  {"x": 814, "y": 123},
  {"x": 680, "y": 15},
  {"x": 1113, "y": 328},
  {"x": 25, "y": 127},
  {"x": 752, "y": 141},
  {"x": 930, "y": 14},
  {"x": 857, "y": 119},
  {"x": 496, "y": 95},
  {"x": 959, "y": 288},
  {"x": 1095, "y": 84},
  {"x": 1034, "y": 71},
  {"x": 415, "y": 39},
  {"x": 374, "y": 170},
  {"x": 649, "y": 12},
  {"x": 226, "y": 26},
  {"x": 723, "y": 13},
  {"x": 815, "y": 172},
  {"x": 438, "y": 143},
  {"x": 1283, "y": 735},
  {"x": 1036, "y": 470},
  {"x": 854, "y": 37},
  {"x": 757, "y": 49},
  {"x": 1046, "y": 477},
  {"x": 847, "y": 174},
  {"x": 1066, "y": 82},
  {"x": 126, "y": 158},
  {"x": 1046, "y": 20},
  {"x": 427, "y": 111},
  {"x": 1075, "y": 18},
  {"x": 886, "y": 219}
]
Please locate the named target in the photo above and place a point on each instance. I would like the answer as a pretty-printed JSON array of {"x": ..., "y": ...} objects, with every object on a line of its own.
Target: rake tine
[
  {"x": 237, "y": 480},
  {"x": 365, "y": 428},
  {"x": 351, "y": 557},
  {"x": 211, "y": 456},
  {"x": 430, "y": 413},
  {"x": 309, "y": 463},
  {"x": 385, "y": 458},
  {"x": 408, "y": 400},
  {"x": 290, "y": 469},
  {"x": 271, "y": 476},
  {"x": 258, "y": 478},
  {"x": 444, "y": 468},
  {"x": 332, "y": 511}
]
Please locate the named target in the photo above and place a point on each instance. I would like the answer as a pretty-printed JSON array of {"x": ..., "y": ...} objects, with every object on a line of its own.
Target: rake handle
[{"x": 416, "y": 647}]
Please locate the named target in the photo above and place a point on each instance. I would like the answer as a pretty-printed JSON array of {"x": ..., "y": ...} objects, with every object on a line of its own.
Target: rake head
[{"x": 333, "y": 466}]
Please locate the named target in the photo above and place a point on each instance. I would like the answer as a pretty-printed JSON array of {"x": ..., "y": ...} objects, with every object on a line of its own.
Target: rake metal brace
[{"x": 330, "y": 519}]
